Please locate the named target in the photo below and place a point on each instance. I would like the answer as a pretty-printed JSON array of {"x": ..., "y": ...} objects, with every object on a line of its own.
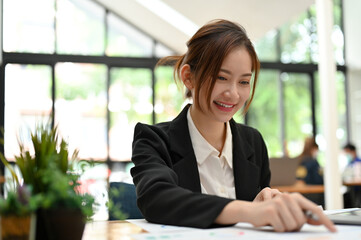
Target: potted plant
[
  {"x": 17, "y": 218},
  {"x": 49, "y": 169}
]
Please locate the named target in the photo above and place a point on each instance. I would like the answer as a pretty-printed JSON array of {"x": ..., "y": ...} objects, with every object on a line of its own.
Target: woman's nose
[{"x": 232, "y": 91}]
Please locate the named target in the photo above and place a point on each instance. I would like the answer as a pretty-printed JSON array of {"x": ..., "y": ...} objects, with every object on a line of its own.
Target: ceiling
[{"x": 257, "y": 16}]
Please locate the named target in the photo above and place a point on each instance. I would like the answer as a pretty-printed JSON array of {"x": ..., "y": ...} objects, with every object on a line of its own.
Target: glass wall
[
  {"x": 29, "y": 28},
  {"x": 27, "y": 102},
  {"x": 297, "y": 110},
  {"x": 130, "y": 101},
  {"x": 96, "y": 74},
  {"x": 265, "y": 112},
  {"x": 80, "y": 107},
  {"x": 90, "y": 70},
  {"x": 291, "y": 54},
  {"x": 94, "y": 101}
]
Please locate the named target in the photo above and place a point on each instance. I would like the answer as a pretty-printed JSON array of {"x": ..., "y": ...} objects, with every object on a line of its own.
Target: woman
[
  {"x": 309, "y": 169},
  {"x": 203, "y": 169}
]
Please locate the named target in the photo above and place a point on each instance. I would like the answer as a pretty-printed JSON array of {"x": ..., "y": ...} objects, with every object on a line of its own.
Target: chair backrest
[
  {"x": 124, "y": 196},
  {"x": 283, "y": 171}
]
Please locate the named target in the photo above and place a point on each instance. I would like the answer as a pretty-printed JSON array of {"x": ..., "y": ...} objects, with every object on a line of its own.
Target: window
[
  {"x": 295, "y": 40},
  {"x": 80, "y": 27},
  {"x": 80, "y": 108},
  {"x": 125, "y": 40},
  {"x": 341, "y": 109},
  {"x": 130, "y": 102},
  {"x": 100, "y": 71},
  {"x": 266, "y": 47},
  {"x": 297, "y": 110},
  {"x": 27, "y": 102},
  {"x": 29, "y": 28},
  {"x": 169, "y": 97},
  {"x": 265, "y": 113},
  {"x": 294, "y": 82}
]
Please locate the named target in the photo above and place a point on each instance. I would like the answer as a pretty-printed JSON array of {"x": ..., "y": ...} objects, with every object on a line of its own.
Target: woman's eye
[
  {"x": 221, "y": 78},
  {"x": 244, "y": 82}
]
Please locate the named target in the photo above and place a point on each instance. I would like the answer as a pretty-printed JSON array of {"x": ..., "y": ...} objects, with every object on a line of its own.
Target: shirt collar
[
  {"x": 228, "y": 147},
  {"x": 202, "y": 149}
]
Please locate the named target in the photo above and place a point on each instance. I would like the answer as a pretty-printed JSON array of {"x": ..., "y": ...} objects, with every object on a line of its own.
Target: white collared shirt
[{"x": 216, "y": 173}]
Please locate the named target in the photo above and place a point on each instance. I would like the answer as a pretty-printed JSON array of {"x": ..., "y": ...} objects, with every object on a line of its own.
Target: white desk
[{"x": 142, "y": 230}]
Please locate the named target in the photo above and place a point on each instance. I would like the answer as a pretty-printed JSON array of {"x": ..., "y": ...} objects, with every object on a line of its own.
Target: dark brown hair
[
  {"x": 206, "y": 51},
  {"x": 310, "y": 144}
]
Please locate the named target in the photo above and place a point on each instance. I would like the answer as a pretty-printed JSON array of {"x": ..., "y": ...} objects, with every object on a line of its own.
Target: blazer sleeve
[
  {"x": 159, "y": 197},
  {"x": 264, "y": 163}
]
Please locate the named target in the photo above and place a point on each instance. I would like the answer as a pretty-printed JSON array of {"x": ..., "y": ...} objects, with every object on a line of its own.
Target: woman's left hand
[{"x": 266, "y": 194}]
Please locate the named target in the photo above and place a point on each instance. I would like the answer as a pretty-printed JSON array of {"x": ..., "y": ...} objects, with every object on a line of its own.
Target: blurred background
[{"x": 90, "y": 66}]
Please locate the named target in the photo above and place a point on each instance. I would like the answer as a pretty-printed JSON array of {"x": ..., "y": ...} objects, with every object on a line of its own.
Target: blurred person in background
[
  {"x": 352, "y": 173},
  {"x": 309, "y": 169}
]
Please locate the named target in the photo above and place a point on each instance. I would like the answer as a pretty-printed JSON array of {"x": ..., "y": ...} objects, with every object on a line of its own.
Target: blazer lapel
[
  {"x": 246, "y": 173},
  {"x": 182, "y": 153}
]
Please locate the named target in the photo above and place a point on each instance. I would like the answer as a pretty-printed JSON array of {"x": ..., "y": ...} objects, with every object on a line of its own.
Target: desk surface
[
  {"x": 122, "y": 230},
  {"x": 354, "y": 182},
  {"x": 110, "y": 230},
  {"x": 301, "y": 187}
]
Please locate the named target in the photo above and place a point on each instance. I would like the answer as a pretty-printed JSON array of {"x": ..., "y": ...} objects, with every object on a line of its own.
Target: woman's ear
[{"x": 186, "y": 76}]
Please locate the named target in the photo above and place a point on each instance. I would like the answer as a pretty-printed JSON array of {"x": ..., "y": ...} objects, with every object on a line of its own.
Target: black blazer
[{"x": 167, "y": 178}]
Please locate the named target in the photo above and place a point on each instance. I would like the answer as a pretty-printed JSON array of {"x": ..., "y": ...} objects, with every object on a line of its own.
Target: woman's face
[{"x": 232, "y": 87}]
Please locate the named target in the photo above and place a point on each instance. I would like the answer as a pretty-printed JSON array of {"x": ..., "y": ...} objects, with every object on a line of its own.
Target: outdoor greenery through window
[
  {"x": 97, "y": 101},
  {"x": 28, "y": 102},
  {"x": 285, "y": 123}
]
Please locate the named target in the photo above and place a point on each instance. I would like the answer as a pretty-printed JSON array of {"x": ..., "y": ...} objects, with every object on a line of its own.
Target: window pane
[
  {"x": 266, "y": 47},
  {"x": 80, "y": 27},
  {"x": 126, "y": 41},
  {"x": 337, "y": 34},
  {"x": 169, "y": 97},
  {"x": 130, "y": 102},
  {"x": 29, "y": 26},
  {"x": 264, "y": 112},
  {"x": 80, "y": 108},
  {"x": 341, "y": 109},
  {"x": 295, "y": 41},
  {"x": 297, "y": 110},
  {"x": 27, "y": 103}
]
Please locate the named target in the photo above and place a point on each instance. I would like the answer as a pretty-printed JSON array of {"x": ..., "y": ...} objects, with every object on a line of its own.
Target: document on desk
[
  {"x": 242, "y": 231},
  {"x": 159, "y": 228}
]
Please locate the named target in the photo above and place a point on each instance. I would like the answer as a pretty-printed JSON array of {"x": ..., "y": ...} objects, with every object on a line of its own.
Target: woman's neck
[{"x": 213, "y": 131}]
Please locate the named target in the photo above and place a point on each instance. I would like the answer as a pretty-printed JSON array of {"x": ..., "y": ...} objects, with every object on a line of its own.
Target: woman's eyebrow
[{"x": 229, "y": 72}]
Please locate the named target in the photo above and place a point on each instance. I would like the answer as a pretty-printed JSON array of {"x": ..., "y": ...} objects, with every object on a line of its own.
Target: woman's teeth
[{"x": 223, "y": 105}]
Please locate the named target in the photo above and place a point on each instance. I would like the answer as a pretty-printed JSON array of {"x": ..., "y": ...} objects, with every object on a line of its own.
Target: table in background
[
  {"x": 301, "y": 187},
  {"x": 352, "y": 183},
  {"x": 110, "y": 230},
  {"x": 354, "y": 188}
]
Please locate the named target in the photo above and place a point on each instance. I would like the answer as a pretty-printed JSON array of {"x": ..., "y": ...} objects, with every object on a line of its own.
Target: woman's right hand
[{"x": 286, "y": 212}]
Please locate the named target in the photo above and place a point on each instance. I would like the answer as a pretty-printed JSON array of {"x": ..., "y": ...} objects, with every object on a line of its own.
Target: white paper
[
  {"x": 159, "y": 228},
  {"x": 334, "y": 211},
  {"x": 242, "y": 231}
]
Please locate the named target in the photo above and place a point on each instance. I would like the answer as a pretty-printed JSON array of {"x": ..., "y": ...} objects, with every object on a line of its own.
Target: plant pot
[
  {"x": 17, "y": 228},
  {"x": 53, "y": 224}
]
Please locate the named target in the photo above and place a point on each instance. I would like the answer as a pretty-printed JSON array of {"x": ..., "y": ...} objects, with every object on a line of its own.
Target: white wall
[{"x": 352, "y": 22}]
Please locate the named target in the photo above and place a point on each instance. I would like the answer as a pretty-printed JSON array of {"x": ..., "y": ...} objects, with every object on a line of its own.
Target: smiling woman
[{"x": 203, "y": 169}]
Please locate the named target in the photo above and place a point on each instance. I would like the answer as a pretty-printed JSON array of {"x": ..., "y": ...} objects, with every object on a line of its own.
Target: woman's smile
[{"x": 224, "y": 106}]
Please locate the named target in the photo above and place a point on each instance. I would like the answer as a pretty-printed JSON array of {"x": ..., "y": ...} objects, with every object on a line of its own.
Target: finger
[
  {"x": 266, "y": 194},
  {"x": 285, "y": 212},
  {"x": 297, "y": 212},
  {"x": 277, "y": 224},
  {"x": 275, "y": 192},
  {"x": 322, "y": 218}
]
